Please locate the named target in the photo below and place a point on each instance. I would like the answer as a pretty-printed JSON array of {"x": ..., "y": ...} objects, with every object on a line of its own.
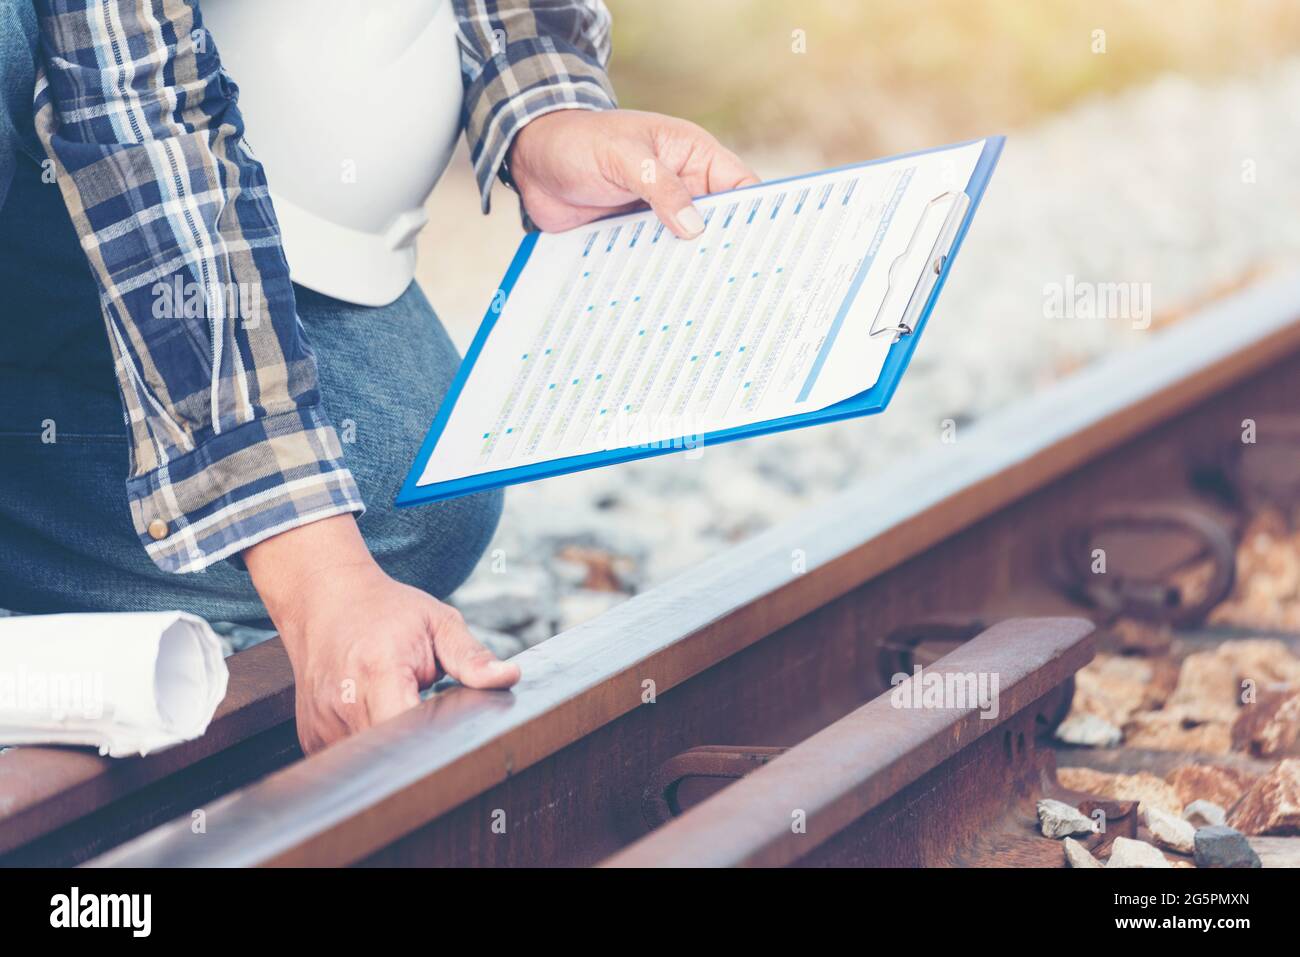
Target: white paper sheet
[
  {"x": 618, "y": 334},
  {"x": 124, "y": 683}
]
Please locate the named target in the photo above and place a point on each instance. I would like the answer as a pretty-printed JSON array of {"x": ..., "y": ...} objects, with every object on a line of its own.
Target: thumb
[
  {"x": 664, "y": 190},
  {"x": 465, "y": 659}
]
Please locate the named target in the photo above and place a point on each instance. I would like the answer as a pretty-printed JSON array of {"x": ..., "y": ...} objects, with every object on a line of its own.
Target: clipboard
[{"x": 956, "y": 207}]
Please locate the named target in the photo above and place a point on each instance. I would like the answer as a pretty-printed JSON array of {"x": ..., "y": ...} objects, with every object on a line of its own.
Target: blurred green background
[{"x": 881, "y": 76}]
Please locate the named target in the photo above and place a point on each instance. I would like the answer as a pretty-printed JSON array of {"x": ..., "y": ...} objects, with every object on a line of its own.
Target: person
[{"x": 124, "y": 168}]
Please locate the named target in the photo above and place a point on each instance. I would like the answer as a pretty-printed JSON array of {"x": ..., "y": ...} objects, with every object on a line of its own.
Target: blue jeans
[
  {"x": 66, "y": 538},
  {"x": 17, "y": 78}
]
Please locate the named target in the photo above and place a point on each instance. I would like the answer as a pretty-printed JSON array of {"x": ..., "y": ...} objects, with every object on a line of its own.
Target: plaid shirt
[{"x": 219, "y": 386}]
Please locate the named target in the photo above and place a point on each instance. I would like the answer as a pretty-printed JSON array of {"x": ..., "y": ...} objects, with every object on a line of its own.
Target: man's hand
[
  {"x": 362, "y": 645},
  {"x": 574, "y": 166}
]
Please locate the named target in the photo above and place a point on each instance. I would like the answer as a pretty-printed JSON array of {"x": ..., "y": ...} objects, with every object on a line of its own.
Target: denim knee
[{"x": 434, "y": 547}]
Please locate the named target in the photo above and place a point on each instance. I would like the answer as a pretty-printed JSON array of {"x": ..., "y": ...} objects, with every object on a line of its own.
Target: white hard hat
[{"x": 353, "y": 108}]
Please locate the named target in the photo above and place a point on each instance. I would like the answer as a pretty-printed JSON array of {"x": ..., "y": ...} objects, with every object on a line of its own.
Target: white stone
[
  {"x": 1089, "y": 731},
  {"x": 1202, "y": 813},
  {"x": 1076, "y": 855},
  {"x": 1126, "y": 852},
  {"x": 568, "y": 574},
  {"x": 1169, "y": 831},
  {"x": 1058, "y": 819}
]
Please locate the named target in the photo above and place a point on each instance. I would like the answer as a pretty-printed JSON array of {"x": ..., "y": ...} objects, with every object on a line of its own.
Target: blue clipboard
[{"x": 869, "y": 402}]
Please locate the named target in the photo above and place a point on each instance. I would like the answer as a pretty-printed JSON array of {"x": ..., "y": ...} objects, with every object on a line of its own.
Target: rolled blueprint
[{"x": 127, "y": 684}]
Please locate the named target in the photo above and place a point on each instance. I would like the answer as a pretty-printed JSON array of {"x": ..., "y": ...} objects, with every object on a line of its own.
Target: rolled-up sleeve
[
  {"x": 229, "y": 444},
  {"x": 521, "y": 59}
]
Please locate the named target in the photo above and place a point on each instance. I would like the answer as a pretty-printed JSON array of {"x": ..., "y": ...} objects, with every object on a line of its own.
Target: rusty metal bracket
[
  {"x": 716, "y": 762},
  {"x": 925, "y": 642},
  {"x": 1267, "y": 471},
  {"x": 1153, "y": 594}
]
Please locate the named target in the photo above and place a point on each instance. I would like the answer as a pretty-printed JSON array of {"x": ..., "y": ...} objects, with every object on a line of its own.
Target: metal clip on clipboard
[{"x": 952, "y": 207}]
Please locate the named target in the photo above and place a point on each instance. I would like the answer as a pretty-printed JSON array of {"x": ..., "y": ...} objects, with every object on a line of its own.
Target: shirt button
[{"x": 157, "y": 529}]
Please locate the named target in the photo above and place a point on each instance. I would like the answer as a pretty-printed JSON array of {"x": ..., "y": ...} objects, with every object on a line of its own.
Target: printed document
[{"x": 618, "y": 334}]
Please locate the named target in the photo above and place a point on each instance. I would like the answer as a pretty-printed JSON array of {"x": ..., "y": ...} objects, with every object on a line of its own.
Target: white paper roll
[{"x": 125, "y": 683}]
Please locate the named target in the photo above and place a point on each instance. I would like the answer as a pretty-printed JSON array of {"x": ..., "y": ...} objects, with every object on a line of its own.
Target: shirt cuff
[
  {"x": 240, "y": 487},
  {"x": 530, "y": 78}
]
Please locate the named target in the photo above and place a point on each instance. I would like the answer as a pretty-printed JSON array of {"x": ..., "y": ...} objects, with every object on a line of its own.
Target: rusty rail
[{"x": 882, "y": 779}]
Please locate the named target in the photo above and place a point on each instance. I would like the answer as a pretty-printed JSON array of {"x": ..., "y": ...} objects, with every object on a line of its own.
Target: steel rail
[{"x": 819, "y": 789}]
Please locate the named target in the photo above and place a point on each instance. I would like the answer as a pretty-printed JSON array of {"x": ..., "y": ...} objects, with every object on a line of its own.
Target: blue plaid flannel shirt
[{"x": 229, "y": 442}]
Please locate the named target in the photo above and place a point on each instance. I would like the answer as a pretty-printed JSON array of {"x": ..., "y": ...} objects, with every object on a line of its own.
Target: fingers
[
  {"x": 706, "y": 167},
  {"x": 319, "y": 726},
  {"x": 464, "y": 658},
  {"x": 385, "y": 695},
  {"x": 310, "y": 737},
  {"x": 388, "y": 682},
  {"x": 390, "y": 693},
  {"x": 728, "y": 171},
  {"x": 663, "y": 190}
]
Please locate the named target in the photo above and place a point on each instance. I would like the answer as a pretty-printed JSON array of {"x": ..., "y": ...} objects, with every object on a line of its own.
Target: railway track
[{"x": 743, "y": 713}]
